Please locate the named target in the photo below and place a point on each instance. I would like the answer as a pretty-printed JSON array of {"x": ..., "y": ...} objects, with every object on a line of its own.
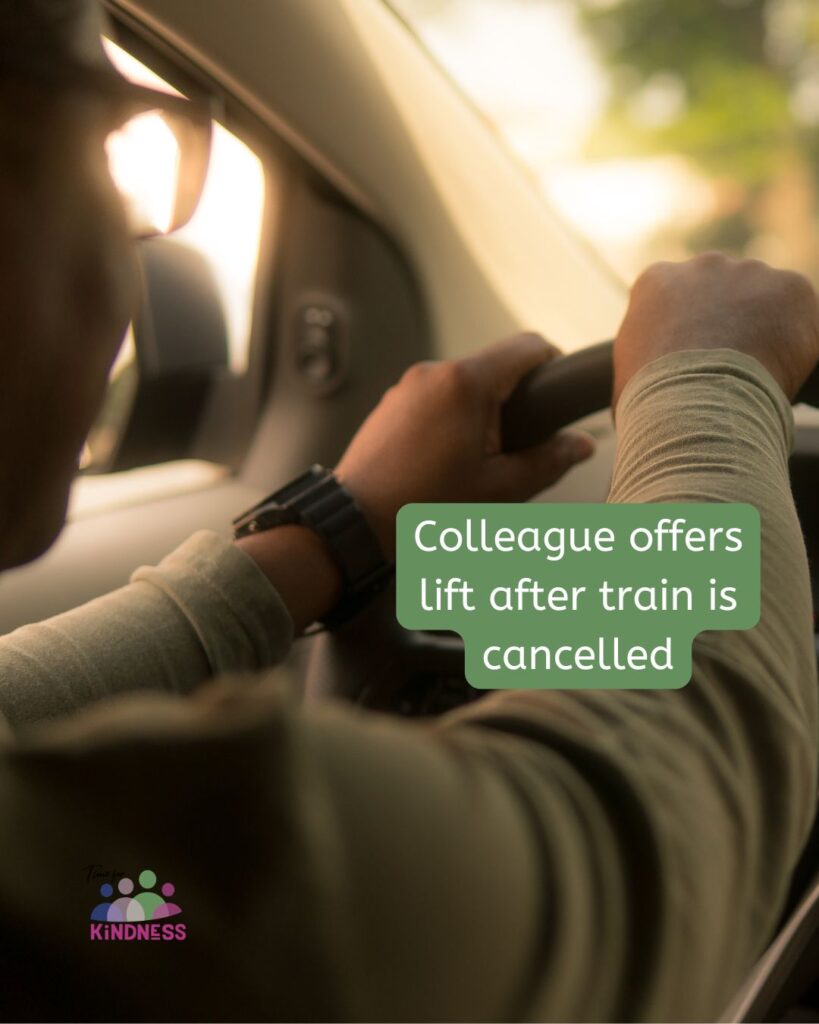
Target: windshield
[{"x": 656, "y": 128}]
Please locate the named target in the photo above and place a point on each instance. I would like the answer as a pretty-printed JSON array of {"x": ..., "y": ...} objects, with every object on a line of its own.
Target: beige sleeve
[
  {"x": 205, "y": 610},
  {"x": 538, "y": 856},
  {"x": 672, "y": 820}
]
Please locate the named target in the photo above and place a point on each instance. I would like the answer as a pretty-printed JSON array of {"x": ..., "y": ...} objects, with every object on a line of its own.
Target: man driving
[{"x": 536, "y": 855}]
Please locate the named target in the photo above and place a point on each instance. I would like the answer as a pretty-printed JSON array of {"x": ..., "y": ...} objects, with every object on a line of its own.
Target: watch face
[{"x": 281, "y": 507}]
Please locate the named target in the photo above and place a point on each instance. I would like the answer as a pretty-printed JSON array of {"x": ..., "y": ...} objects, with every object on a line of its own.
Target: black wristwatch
[{"x": 318, "y": 501}]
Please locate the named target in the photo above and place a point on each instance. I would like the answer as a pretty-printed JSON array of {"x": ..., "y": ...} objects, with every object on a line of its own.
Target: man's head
[{"x": 67, "y": 280}]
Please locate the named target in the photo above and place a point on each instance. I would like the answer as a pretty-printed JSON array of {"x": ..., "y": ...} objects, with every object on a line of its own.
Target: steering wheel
[{"x": 375, "y": 662}]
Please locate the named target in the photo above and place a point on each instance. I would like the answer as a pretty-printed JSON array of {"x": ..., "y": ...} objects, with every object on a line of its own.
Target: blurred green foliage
[
  {"x": 735, "y": 115},
  {"x": 743, "y": 77},
  {"x": 731, "y": 86}
]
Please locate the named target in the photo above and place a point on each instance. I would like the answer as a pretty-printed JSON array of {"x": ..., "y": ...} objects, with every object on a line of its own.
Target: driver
[{"x": 536, "y": 855}]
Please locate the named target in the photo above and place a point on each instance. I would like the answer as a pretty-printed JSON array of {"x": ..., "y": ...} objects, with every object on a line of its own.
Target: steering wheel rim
[
  {"x": 372, "y": 660},
  {"x": 570, "y": 387}
]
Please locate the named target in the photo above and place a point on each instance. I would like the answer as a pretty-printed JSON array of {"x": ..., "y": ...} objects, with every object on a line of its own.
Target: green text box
[{"x": 554, "y": 625}]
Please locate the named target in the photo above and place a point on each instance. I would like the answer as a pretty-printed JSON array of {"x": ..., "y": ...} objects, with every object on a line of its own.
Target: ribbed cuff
[{"x": 699, "y": 364}]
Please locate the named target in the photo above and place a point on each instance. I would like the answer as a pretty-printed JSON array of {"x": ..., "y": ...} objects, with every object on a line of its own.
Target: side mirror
[{"x": 157, "y": 399}]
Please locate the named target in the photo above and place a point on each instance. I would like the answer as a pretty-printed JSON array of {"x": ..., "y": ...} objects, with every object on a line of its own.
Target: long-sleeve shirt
[{"x": 535, "y": 855}]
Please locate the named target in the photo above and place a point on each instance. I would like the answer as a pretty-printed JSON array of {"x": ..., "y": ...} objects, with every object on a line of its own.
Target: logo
[{"x": 141, "y": 916}]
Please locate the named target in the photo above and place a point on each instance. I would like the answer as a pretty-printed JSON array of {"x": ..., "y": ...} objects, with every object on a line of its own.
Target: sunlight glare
[
  {"x": 144, "y": 160},
  {"x": 226, "y": 228}
]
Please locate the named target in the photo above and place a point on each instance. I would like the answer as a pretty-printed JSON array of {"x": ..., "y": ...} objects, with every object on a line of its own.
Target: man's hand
[
  {"x": 435, "y": 436},
  {"x": 716, "y": 302}
]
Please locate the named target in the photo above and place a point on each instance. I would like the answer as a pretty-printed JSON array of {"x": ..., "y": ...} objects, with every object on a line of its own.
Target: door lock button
[{"x": 318, "y": 344}]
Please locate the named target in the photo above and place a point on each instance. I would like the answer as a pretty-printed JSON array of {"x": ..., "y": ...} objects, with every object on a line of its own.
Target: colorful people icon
[{"x": 147, "y": 905}]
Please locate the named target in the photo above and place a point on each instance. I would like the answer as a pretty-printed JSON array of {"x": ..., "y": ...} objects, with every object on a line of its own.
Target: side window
[{"x": 195, "y": 326}]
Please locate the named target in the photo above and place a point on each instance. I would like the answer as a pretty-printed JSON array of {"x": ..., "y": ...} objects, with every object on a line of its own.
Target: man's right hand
[
  {"x": 436, "y": 436},
  {"x": 716, "y": 302}
]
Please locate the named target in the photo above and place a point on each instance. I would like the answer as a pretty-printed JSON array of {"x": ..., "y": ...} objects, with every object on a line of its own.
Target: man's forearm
[
  {"x": 715, "y": 427},
  {"x": 205, "y": 610}
]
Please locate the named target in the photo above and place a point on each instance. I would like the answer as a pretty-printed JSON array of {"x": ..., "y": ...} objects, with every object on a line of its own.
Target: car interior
[{"x": 378, "y": 221}]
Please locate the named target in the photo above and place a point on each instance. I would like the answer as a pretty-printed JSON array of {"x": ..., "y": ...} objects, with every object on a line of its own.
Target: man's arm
[
  {"x": 213, "y": 608},
  {"x": 537, "y": 856},
  {"x": 204, "y": 611}
]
